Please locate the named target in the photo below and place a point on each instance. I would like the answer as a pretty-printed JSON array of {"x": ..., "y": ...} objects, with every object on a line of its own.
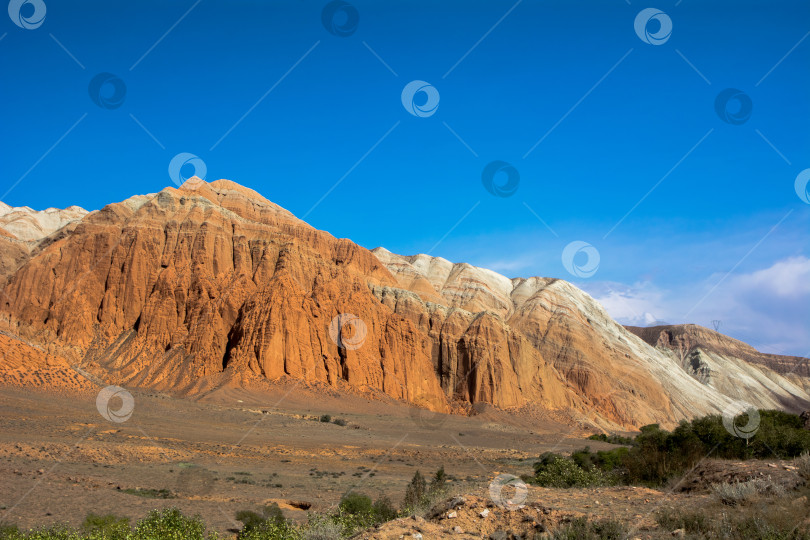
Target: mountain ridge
[{"x": 189, "y": 287}]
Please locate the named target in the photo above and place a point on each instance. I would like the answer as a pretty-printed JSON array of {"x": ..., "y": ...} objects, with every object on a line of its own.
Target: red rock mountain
[{"x": 192, "y": 288}]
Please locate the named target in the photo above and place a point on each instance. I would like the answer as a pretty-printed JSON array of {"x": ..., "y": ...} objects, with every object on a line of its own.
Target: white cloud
[
  {"x": 768, "y": 308},
  {"x": 509, "y": 266},
  {"x": 640, "y": 304}
]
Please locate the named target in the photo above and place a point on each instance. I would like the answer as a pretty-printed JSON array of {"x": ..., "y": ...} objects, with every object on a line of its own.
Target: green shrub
[
  {"x": 273, "y": 513},
  {"x": 612, "y": 439},
  {"x": 339, "y": 422},
  {"x": 110, "y": 525},
  {"x": 269, "y": 525},
  {"x": 250, "y": 520},
  {"x": 9, "y": 531},
  {"x": 167, "y": 524},
  {"x": 437, "y": 487},
  {"x": 384, "y": 510},
  {"x": 356, "y": 512},
  {"x": 355, "y": 503},
  {"x": 270, "y": 521},
  {"x": 560, "y": 472},
  {"x": 322, "y": 528},
  {"x": 606, "y": 460},
  {"x": 170, "y": 524},
  {"x": 657, "y": 456},
  {"x": 271, "y": 530},
  {"x": 325, "y": 418},
  {"x": 58, "y": 532},
  {"x": 779, "y": 432},
  {"x": 421, "y": 496}
]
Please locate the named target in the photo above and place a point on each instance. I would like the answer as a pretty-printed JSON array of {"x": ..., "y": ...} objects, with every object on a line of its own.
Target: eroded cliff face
[
  {"x": 732, "y": 367},
  {"x": 23, "y": 229},
  {"x": 619, "y": 376},
  {"x": 477, "y": 357},
  {"x": 690, "y": 337},
  {"x": 165, "y": 290},
  {"x": 187, "y": 288}
]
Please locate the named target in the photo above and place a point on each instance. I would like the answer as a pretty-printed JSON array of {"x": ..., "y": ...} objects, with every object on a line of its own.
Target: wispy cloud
[{"x": 767, "y": 308}]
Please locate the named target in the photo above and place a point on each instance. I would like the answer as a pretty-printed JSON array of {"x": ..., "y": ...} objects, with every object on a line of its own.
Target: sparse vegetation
[
  {"x": 612, "y": 439},
  {"x": 733, "y": 493},
  {"x": 149, "y": 493},
  {"x": 756, "y": 523},
  {"x": 168, "y": 524},
  {"x": 269, "y": 525},
  {"x": 314, "y": 471},
  {"x": 803, "y": 466},
  {"x": 355, "y": 503},
  {"x": 561, "y": 472},
  {"x": 355, "y": 512},
  {"x": 108, "y": 523},
  {"x": 583, "y": 529},
  {"x": 415, "y": 491},
  {"x": 383, "y": 509},
  {"x": 325, "y": 418},
  {"x": 321, "y": 528},
  {"x": 656, "y": 456},
  {"x": 421, "y": 496}
]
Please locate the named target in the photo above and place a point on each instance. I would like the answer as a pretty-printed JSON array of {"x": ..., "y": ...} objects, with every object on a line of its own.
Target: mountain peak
[
  {"x": 29, "y": 225},
  {"x": 210, "y": 283},
  {"x": 193, "y": 183}
]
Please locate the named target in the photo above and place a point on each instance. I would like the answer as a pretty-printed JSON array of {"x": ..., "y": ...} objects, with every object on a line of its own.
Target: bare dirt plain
[{"x": 235, "y": 449}]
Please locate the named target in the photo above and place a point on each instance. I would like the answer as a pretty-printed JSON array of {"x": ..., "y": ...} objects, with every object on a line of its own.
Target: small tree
[
  {"x": 355, "y": 503},
  {"x": 415, "y": 492},
  {"x": 271, "y": 516},
  {"x": 437, "y": 482},
  {"x": 274, "y": 514},
  {"x": 383, "y": 510},
  {"x": 250, "y": 520}
]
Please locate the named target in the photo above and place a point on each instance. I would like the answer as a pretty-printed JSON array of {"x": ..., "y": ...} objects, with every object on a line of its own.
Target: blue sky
[{"x": 616, "y": 142}]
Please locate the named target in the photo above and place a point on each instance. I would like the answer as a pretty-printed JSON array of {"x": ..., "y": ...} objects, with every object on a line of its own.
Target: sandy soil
[{"x": 236, "y": 449}]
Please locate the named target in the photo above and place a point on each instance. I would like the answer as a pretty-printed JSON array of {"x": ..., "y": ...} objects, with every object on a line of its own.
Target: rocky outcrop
[
  {"x": 22, "y": 229},
  {"x": 190, "y": 288},
  {"x": 732, "y": 367},
  {"x": 166, "y": 290},
  {"x": 30, "y": 225},
  {"x": 627, "y": 380},
  {"x": 692, "y": 336}
]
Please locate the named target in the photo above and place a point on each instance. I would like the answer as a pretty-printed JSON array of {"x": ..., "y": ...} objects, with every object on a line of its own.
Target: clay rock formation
[
  {"x": 22, "y": 229},
  {"x": 731, "y": 366},
  {"x": 621, "y": 376},
  {"x": 29, "y": 225},
  {"x": 210, "y": 284},
  {"x": 692, "y": 336},
  {"x": 28, "y": 366},
  {"x": 171, "y": 289}
]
